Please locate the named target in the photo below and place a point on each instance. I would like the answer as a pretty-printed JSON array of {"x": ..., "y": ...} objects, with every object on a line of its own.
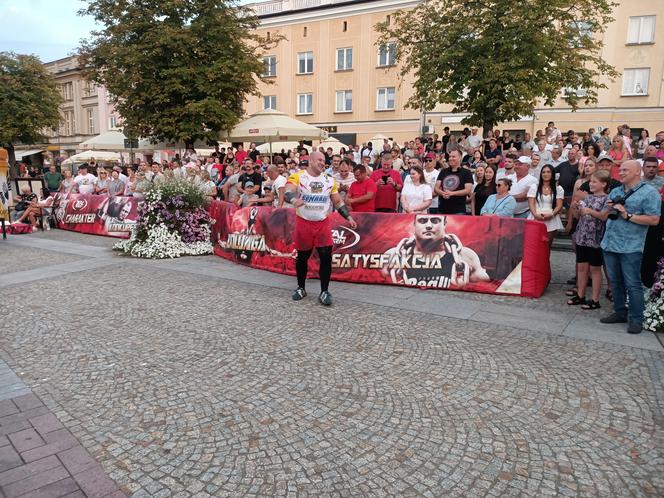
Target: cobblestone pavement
[{"x": 188, "y": 384}]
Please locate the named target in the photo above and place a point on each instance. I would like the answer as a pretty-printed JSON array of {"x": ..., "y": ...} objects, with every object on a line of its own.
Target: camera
[{"x": 614, "y": 214}]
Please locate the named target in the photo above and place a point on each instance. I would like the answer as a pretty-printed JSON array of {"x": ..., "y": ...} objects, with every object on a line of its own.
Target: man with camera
[{"x": 633, "y": 207}]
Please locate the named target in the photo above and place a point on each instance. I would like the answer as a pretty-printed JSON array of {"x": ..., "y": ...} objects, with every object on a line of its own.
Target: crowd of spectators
[{"x": 565, "y": 180}]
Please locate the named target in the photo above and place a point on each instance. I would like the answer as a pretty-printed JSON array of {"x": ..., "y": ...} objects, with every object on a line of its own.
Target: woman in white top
[
  {"x": 416, "y": 195},
  {"x": 546, "y": 201},
  {"x": 208, "y": 186}
]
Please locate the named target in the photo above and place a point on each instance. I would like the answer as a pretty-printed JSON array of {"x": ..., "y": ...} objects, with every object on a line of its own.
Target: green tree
[
  {"x": 29, "y": 100},
  {"x": 499, "y": 59},
  {"x": 175, "y": 69}
]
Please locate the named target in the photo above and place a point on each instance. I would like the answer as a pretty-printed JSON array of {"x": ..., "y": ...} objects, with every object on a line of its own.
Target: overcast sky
[{"x": 49, "y": 29}]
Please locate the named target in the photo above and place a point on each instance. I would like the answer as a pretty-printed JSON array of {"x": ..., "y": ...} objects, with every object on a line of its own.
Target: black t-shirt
[
  {"x": 253, "y": 154},
  {"x": 568, "y": 175},
  {"x": 255, "y": 178},
  {"x": 454, "y": 181},
  {"x": 482, "y": 193},
  {"x": 489, "y": 154}
]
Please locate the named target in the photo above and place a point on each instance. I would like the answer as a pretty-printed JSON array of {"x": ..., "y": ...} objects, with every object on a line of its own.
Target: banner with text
[
  {"x": 95, "y": 214},
  {"x": 476, "y": 254}
]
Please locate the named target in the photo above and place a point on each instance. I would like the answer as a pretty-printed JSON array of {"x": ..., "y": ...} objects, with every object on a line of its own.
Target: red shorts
[{"x": 310, "y": 234}]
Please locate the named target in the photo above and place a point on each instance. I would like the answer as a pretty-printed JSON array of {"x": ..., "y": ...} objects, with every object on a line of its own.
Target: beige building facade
[
  {"x": 85, "y": 111},
  {"x": 329, "y": 72}
]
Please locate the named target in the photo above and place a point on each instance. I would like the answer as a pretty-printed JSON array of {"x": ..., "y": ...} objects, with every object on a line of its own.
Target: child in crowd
[{"x": 588, "y": 235}]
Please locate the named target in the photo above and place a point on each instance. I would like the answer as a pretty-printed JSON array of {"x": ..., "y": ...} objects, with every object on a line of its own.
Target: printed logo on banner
[
  {"x": 345, "y": 235},
  {"x": 80, "y": 204}
]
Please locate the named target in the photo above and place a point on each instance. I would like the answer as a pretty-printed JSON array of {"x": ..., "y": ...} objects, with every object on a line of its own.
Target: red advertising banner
[
  {"x": 95, "y": 214},
  {"x": 476, "y": 254}
]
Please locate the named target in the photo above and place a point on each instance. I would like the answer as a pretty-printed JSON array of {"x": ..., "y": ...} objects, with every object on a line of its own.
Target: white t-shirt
[
  {"x": 279, "y": 181},
  {"x": 501, "y": 173},
  {"x": 474, "y": 140},
  {"x": 431, "y": 177},
  {"x": 86, "y": 183},
  {"x": 348, "y": 181},
  {"x": 416, "y": 194},
  {"x": 520, "y": 187}
]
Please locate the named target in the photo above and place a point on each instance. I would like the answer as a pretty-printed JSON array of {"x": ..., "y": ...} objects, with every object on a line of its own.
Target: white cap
[{"x": 525, "y": 160}]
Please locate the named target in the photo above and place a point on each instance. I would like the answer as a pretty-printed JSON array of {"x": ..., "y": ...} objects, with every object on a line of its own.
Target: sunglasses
[{"x": 428, "y": 160}]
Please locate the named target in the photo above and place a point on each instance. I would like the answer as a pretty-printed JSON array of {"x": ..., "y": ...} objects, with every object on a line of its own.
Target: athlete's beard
[{"x": 431, "y": 245}]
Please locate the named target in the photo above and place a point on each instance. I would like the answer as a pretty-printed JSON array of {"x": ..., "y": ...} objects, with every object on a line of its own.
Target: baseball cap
[
  {"x": 249, "y": 184},
  {"x": 430, "y": 155},
  {"x": 524, "y": 160},
  {"x": 605, "y": 157}
]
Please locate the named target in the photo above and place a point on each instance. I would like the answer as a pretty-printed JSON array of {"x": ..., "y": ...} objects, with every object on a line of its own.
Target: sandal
[
  {"x": 576, "y": 300},
  {"x": 591, "y": 305},
  {"x": 571, "y": 292}
]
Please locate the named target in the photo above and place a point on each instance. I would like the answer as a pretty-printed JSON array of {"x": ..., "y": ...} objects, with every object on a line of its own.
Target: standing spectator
[
  {"x": 241, "y": 154},
  {"x": 416, "y": 195},
  {"x": 604, "y": 140},
  {"x": 157, "y": 175},
  {"x": 131, "y": 179},
  {"x": 67, "y": 184},
  {"x": 85, "y": 182},
  {"x": 638, "y": 207},
  {"x": 567, "y": 173},
  {"x": 587, "y": 238},
  {"x": 556, "y": 156},
  {"x": 522, "y": 182},
  {"x": 619, "y": 154},
  {"x": 101, "y": 187},
  {"x": 535, "y": 165},
  {"x": 553, "y": 134},
  {"x": 474, "y": 139},
  {"x": 508, "y": 170},
  {"x": 115, "y": 186},
  {"x": 344, "y": 178},
  {"x": 483, "y": 190},
  {"x": 493, "y": 155},
  {"x": 362, "y": 192},
  {"x": 53, "y": 179},
  {"x": 544, "y": 151},
  {"x": 430, "y": 175},
  {"x": 644, "y": 141},
  {"x": 528, "y": 142},
  {"x": 454, "y": 184},
  {"x": 545, "y": 200},
  {"x": 501, "y": 203},
  {"x": 388, "y": 183},
  {"x": 650, "y": 169}
]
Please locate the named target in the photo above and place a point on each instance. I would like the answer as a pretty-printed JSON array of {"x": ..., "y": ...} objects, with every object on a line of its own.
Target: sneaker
[
  {"x": 634, "y": 328},
  {"x": 299, "y": 294},
  {"x": 325, "y": 298},
  {"x": 613, "y": 318}
]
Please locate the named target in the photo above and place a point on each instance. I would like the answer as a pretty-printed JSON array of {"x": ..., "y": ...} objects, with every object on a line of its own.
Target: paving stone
[
  {"x": 9, "y": 459},
  {"x": 26, "y": 440},
  {"x": 60, "y": 488},
  {"x": 197, "y": 382},
  {"x": 44, "y": 424},
  {"x": 33, "y": 483}
]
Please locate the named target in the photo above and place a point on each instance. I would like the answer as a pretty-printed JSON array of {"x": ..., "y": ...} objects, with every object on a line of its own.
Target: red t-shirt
[
  {"x": 386, "y": 196},
  {"x": 358, "y": 189},
  {"x": 241, "y": 156}
]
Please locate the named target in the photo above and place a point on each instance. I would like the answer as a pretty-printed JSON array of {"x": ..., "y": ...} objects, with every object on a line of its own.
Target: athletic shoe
[
  {"x": 613, "y": 318},
  {"x": 299, "y": 294},
  {"x": 634, "y": 328},
  {"x": 325, "y": 298}
]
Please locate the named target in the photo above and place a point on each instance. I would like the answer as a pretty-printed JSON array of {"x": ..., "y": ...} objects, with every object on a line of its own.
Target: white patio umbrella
[
  {"x": 97, "y": 155},
  {"x": 270, "y": 125},
  {"x": 277, "y": 146},
  {"x": 335, "y": 144},
  {"x": 379, "y": 137}
]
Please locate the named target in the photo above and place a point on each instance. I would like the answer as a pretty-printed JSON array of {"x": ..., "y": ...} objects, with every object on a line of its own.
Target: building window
[
  {"x": 387, "y": 54},
  {"x": 269, "y": 102},
  {"x": 344, "y": 59},
  {"x": 90, "y": 89},
  {"x": 305, "y": 63},
  {"x": 579, "y": 92},
  {"x": 90, "y": 113},
  {"x": 305, "y": 103},
  {"x": 304, "y": 34},
  {"x": 70, "y": 124},
  {"x": 641, "y": 30},
  {"x": 345, "y": 26},
  {"x": 385, "y": 100},
  {"x": 269, "y": 66},
  {"x": 344, "y": 101},
  {"x": 113, "y": 122},
  {"x": 635, "y": 81},
  {"x": 68, "y": 91}
]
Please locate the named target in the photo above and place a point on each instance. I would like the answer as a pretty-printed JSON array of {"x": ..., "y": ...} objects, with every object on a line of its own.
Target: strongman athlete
[{"x": 313, "y": 193}]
